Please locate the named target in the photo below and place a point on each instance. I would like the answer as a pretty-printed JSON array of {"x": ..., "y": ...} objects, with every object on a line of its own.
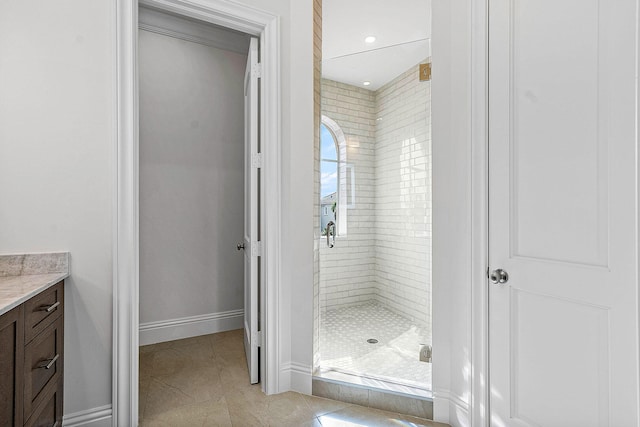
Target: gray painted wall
[
  {"x": 57, "y": 170},
  {"x": 191, "y": 178},
  {"x": 57, "y": 139}
]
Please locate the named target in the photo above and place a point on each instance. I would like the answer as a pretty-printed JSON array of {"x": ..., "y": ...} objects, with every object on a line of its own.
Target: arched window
[
  {"x": 333, "y": 166},
  {"x": 328, "y": 178}
]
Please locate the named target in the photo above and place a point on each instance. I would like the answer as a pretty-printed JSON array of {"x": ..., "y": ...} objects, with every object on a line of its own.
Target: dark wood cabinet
[
  {"x": 31, "y": 361},
  {"x": 42, "y": 310},
  {"x": 11, "y": 367},
  {"x": 49, "y": 412},
  {"x": 42, "y": 365}
]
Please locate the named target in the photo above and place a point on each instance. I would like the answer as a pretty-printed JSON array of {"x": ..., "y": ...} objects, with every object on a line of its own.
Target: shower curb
[{"x": 387, "y": 400}]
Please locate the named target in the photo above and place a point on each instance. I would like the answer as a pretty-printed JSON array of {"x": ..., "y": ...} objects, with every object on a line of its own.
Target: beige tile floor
[{"x": 203, "y": 381}]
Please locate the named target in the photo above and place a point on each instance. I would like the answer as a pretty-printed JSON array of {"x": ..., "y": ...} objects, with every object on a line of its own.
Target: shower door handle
[{"x": 331, "y": 234}]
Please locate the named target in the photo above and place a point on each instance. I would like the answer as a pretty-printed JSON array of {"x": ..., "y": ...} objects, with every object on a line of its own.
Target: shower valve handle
[{"x": 331, "y": 234}]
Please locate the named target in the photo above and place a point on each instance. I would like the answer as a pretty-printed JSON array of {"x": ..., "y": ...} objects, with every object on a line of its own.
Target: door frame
[
  {"x": 480, "y": 384},
  {"x": 238, "y": 17},
  {"x": 460, "y": 156}
]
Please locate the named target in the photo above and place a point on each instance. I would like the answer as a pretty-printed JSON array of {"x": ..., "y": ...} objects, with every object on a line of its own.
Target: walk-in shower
[{"x": 373, "y": 228}]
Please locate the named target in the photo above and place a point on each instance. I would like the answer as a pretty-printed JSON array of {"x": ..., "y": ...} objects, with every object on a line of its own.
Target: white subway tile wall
[
  {"x": 403, "y": 196},
  {"x": 385, "y": 255},
  {"x": 347, "y": 271}
]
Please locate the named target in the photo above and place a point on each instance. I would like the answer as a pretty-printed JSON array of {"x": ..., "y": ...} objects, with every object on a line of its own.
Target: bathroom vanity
[{"x": 32, "y": 339}]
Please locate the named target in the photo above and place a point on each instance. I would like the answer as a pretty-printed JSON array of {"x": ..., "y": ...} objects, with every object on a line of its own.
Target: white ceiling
[{"x": 402, "y": 29}]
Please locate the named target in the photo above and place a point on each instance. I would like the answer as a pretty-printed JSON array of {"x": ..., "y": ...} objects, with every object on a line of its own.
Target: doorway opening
[
  {"x": 199, "y": 204},
  {"x": 373, "y": 228},
  {"x": 234, "y": 16}
]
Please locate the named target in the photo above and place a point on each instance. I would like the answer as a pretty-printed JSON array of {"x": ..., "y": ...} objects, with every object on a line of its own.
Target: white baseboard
[
  {"x": 94, "y": 417},
  {"x": 295, "y": 377},
  {"x": 187, "y": 327},
  {"x": 450, "y": 409}
]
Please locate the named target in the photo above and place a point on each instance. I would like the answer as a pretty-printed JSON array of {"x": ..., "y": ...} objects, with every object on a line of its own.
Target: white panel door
[
  {"x": 251, "y": 209},
  {"x": 562, "y": 142}
]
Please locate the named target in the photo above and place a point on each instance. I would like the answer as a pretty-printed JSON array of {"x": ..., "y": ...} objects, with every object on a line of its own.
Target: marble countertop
[
  {"x": 23, "y": 276},
  {"x": 14, "y": 290}
]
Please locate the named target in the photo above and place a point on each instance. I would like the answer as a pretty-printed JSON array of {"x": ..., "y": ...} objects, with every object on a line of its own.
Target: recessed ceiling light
[
  {"x": 366, "y": 83},
  {"x": 369, "y": 39}
]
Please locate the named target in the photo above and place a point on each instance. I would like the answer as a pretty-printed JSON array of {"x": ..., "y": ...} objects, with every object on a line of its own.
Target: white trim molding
[
  {"x": 458, "y": 410},
  {"x": 270, "y": 109},
  {"x": 192, "y": 326},
  {"x": 296, "y": 376},
  {"x": 238, "y": 17},
  {"x": 172, "y": 26},
  {"x": 479, "y": 146},
  {"x": 126, "y": 243},
  {"x": 94, "y": 417}
]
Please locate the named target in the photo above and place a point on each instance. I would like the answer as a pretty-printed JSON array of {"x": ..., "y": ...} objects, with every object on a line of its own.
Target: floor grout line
[{"x": 231, "y": 401}]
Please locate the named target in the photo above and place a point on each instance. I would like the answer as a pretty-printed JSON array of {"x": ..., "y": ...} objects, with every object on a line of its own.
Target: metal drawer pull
[
  {"x": 49, "y": 308},
  {"x": 51, "y": 362}
]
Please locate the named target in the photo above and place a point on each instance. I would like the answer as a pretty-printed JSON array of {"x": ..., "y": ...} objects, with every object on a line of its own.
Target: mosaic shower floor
[{"x": 393, "y": 359}]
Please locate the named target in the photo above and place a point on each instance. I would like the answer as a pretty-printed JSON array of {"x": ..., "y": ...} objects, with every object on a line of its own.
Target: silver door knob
[
  {"x": 499, "y": 276},
  {"x": 240, "y": 246}
]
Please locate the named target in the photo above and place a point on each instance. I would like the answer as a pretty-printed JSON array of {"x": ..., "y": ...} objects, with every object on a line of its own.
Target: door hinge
[
  {"x": 256, "y": 338},
  {"x": 256, "y": 249},
  {"x": 256, "y": 160},
  {"x": 256, "y": 70}
]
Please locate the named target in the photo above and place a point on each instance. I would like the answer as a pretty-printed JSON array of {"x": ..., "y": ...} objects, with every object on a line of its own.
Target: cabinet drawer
[
  {"x": 42, "y": 310},
  {"x": 43, "y": 364},
  {"x": 49, "y": 412}
]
